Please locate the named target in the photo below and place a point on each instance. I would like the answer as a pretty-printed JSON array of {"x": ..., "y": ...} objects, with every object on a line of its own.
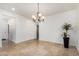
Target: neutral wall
[
  {"x": 20, "y": 28},
  {"x": 25, "y": 29},
  {"x": 51, "y": 28}
]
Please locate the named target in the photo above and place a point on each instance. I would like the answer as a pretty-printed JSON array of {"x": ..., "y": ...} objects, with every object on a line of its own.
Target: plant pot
[{"x": 66, "y": 42}]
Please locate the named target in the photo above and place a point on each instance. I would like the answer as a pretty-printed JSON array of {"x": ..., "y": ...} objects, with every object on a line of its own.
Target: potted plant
[{"x": 66, "y": 38}]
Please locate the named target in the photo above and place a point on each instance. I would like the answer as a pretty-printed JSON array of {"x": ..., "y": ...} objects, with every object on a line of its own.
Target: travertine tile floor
[{"x": 36, "y": 48}]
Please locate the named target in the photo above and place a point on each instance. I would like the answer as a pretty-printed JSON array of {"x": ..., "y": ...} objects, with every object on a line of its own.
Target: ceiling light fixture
[
  {"x": 13, "y": 9},
  {"x": 37, "y": 19}
]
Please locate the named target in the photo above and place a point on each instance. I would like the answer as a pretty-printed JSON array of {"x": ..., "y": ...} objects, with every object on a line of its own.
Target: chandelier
[{"x": 39, "y": 17}]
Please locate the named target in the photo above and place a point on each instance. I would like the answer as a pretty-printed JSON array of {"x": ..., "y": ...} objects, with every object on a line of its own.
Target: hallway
[{"x": 37, "y": 48}]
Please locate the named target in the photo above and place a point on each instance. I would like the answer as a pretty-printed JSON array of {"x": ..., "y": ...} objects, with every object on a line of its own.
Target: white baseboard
[
  {"x": 19, "y": 41},
  {"x": 57, "y": 42},
  {"x": 77, "y": 49}
]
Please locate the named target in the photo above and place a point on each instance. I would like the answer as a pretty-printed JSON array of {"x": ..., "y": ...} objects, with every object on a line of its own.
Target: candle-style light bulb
[
  {"x": 39, "y": 14},
  {"x": 43, "y": 17},
  {"x": 33, "y": 17}
]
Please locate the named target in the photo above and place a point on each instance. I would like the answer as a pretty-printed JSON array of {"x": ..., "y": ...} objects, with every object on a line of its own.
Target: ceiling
[{"x": 28, "y": 9}]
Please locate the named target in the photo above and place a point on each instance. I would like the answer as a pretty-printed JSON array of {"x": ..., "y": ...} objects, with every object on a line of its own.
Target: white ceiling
[{"x": 28, "y": 9}]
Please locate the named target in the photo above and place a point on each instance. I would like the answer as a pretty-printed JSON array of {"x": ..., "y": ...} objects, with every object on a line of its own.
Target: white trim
[
  {"x": 16, "y": 41},
  {"x": 77, "y": 49},
  {"x": 56, "y": 42}
]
